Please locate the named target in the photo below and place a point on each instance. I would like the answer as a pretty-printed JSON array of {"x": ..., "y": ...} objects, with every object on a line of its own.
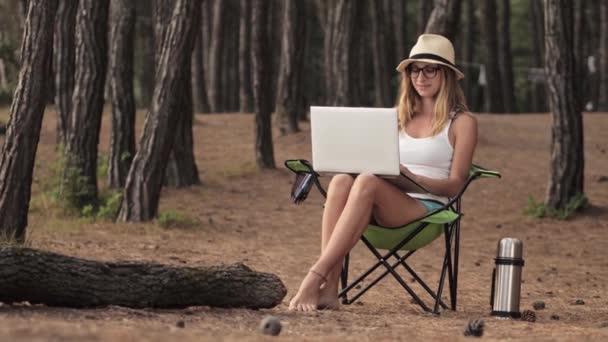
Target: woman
[{"x": 437, "y": 139}]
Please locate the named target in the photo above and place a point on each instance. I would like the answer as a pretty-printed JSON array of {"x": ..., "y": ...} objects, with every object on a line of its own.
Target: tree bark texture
[
  {"x": 469, "y": 35},
  {"x": 493, "y": 93},
  {"x": 292, "y": 57},
  {"x": 567, "y": 153},
  {"x": 444, "y": 19},
  {"x": 424, "y": 9},
  {"x": 379, "y": 45},
  {"x": 63, "y": 65},
  {"x": 216, "y": 60},
  {"x": 538, "y": 101},
  {"x": 245, "y": 91},
  {"x": 505, "y": 60},
  {"x": 23, "y": 127},
  {"x": 88, "y": 97},
  {"x": 341, "y": 52},
  {"x": 580, "y": 42},
  {"x": 144, "y": 182},
  {"x": 181, "y": 167},
  {"x": 402, "y": 43},
  {"x": 145, "y": 44},
  {"x": 58, "y": 280},
  {"x": 122, "y": 142},
  {"x": 199, "y": 88},
  {"x": 603, "y": 58},
  {"x": 262, "y": 91}
]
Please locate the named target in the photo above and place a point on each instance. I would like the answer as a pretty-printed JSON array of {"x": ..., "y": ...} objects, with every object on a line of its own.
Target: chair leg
[
  {"x": 344, "y": 279},
  {"x": 454, "y": 287}
]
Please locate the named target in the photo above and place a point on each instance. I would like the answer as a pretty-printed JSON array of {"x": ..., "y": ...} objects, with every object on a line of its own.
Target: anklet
[{"x": 318, "y": 274}]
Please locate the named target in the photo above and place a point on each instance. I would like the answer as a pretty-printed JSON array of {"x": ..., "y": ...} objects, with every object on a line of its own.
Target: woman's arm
[{"x": 464, "y": 139}]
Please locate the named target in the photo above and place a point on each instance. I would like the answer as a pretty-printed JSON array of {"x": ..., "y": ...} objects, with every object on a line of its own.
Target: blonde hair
[{"x": 450, "y": 99}]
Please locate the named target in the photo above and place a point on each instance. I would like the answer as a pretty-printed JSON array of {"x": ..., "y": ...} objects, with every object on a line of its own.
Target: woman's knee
[
  {"x": 365, "y": 185},
  {"x": 340, "y": 183}
]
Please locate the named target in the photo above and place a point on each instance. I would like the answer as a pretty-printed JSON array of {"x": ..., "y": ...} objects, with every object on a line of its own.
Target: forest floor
[{"x": 245, "y": 215}]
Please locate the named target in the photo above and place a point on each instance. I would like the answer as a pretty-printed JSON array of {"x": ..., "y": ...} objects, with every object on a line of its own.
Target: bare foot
[
  {"x": 328, "y": 299},
  {"x": 307, "y": 298}
]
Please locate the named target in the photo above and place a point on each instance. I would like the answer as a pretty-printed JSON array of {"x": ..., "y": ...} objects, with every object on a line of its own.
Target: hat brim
[{"x": 401, "y": 67}]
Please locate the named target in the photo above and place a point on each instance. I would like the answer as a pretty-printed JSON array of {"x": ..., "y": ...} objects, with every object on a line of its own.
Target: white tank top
[{"x": 430, "y": 157}]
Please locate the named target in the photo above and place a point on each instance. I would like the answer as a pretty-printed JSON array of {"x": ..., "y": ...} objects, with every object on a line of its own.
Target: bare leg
[
  {"x": 368, "y": 195},
  {"x": 337, "y": 194},
  {"x": 339, "y": 188}
]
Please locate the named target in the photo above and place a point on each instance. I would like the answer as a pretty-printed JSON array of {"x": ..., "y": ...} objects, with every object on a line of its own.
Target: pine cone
[
  {"x": 474, "y": 328},
  {"x": 528, "y": 315},
  {"x": 538, "y": 305}
]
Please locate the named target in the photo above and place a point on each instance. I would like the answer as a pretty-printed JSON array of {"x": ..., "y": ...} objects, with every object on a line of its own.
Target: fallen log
[{"x": 57, "y": 280}]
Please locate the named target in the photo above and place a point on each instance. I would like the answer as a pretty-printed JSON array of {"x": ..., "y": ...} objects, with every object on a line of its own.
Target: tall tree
[
  {"x": 144, "y": 51},
  {"x": 400, "y": 28},
  {"x": 538, "y": 92},
  {"x": 379, "y": 45},
  {"x": 63, "y": 65},
  {"x": 262, "y": 88},
  {"x": 181, "y": 166},
  {"x": 567, "y": 154},
  {"x": 603, "y": 58},
  {"x": 292, "y": 57},
  {"x": 214, "y": 90},
  {"x": 245, "y": 92},
  {"x": 199, "y": 87},
  {"x": 122, "y": 142},
  {"x": 493, "y": 92},
  {"x": 469, "y": 36},
  {"x": 87, "y": 100},
  {"x": 23, "y": 128},
  {"x": 505, "y": 60},
  {"x": 424, "y": 9},
  {"x": 444, "y": 18},
  {"x": 581, "y": 51},
  {"x": 144, "y": 182},
  {"x": 341, "y": 51}
]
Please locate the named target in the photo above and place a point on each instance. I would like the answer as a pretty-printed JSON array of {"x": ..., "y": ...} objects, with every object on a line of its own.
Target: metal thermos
[{"x": 506, "y": 279}]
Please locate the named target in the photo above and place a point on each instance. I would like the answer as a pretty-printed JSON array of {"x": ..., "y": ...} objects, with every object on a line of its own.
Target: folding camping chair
[{"x": 406, "y": 239}]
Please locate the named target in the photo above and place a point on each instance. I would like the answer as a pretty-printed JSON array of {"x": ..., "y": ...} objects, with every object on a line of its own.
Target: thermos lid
[{"x": 509, "y": 248}]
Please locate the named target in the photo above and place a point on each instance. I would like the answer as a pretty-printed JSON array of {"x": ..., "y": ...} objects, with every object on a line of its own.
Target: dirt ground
[{"x": 245, "y": 215}]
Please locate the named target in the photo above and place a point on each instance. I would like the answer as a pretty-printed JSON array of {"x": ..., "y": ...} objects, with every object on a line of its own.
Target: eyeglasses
[{"x": 428, "y": 71}]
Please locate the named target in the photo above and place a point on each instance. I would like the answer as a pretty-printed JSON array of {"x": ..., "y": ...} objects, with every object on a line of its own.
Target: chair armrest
[{"x": 300, "y": 167}]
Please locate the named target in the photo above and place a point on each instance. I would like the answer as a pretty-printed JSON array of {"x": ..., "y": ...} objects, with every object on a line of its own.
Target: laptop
[{"x": 355, "y": 140}]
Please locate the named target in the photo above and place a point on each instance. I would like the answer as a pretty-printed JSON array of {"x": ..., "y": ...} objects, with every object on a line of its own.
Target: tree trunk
[
  {"x": 505, "y": 61},
  {"x": 144, "y": 182},
  {"x": 467, "y": 52},
  {"x": 539, "y": 94},
  {"x": 382, "y": 91},
  {"x": 122, "y": 145},
  {"x": 289, "y": 88},
  {"x": 181, "y": 167},
  {"x": 87, "y": 101},
  {"x": 342, "y": 50},
  {"x": 444, "y": 19},
  {"x": 245, "y": 93},
  {"x": 400, "y": 28},
  {"x": 493, "y": 92},
  {"x": 580, "y": 74},
  {"x": 199, "y": 88},
  {"x": 57, "y": 280},
  {"x": 63, "y": 65},
  {"x": 262, "y": 92},
  {"x": 145, "y": 45},
  {"x": 603, "y": 58},
  {"x": 424, "y": 9},
  {"x": 215, "y": 57},
  {"x": 23, "y": 127},
  {"x": 567, "y": 153}
]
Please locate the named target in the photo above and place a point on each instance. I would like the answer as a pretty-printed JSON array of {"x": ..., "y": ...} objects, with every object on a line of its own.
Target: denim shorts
[{"x": 430, "y": 205}]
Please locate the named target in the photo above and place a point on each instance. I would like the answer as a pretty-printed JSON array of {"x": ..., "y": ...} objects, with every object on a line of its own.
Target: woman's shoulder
[{"x": 464, "y": 121}]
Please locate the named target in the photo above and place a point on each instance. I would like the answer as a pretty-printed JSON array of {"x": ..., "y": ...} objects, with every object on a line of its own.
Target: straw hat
[{"x": 432, "y": 48}]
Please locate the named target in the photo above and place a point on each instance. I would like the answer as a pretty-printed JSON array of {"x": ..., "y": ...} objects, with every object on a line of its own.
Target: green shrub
[
  {"x": 540, "y": 209},
  {"x": 174, "y": 219}
]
